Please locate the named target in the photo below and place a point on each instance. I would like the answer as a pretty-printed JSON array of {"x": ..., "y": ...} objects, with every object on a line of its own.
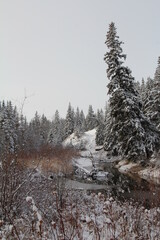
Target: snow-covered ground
[
  {"x": 86, "y": 217},
  {"x": 86, "y": 142},
  {"x": 83, "y": 163},
  {"x": 150, "y": 174},
  {"x": 124, "y": 166},
  {"x": 88, "y": 154}
]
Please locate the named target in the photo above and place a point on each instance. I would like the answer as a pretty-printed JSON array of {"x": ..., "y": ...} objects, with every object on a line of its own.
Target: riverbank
[
  {"x": 91, "y": 155},
  {"x": 150, "y": 173}
]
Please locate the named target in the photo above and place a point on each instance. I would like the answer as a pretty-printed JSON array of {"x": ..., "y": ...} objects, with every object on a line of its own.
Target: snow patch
[
  {"x": 150, "y": 174},
  {"x": 125, "y": 167},
  {"x": 86, "y": 141}
]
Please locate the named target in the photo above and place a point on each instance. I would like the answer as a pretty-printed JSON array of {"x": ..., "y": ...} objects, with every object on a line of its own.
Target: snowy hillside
[
  {"x": 86, "y": 141},
  {"x": 89, "y": 157},
  {"x": 87, "y": 145}
]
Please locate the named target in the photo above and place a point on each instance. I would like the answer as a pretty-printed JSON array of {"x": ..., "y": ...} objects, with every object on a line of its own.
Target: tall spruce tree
[
  {"x": 100, "y": 128},
  {"x": 44, "y": 129},
  {"x": 147, "y": 96},
  {"x": 83, "y": 121},
  {"x": 23, "y": 134},
  {"x": 129, "y": 134},
  {"x": 9, "y": 131},
  {"x": 91, "y": 121},
  {"x": 57, "y": 136},
  {"x": 77, "y": 123},
  {"x": 156, "y": 95},
  {"x": 69, "y": 122}
]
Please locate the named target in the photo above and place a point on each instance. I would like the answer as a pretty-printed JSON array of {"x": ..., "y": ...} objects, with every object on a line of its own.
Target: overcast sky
[{"x": 52, "y": 50}]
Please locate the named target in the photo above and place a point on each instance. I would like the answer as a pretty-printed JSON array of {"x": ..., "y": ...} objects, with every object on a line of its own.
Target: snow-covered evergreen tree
[
  {"x": 83, "y": 122},
  {"x": 35, "y": 132},
  {"x": 147, "y": 97},
  {"x": 129, "y": 134},
  {"x": 142, "y": 91},
  {"x": 69, "y": 122},
  {"x": 100, "y": 116},
  {"x": 138, "y": 87},
  {"x": 23, "y": 134},
  {"x": 100, "y": 127},
  {"x": 91, "y": 121},
  {"x": 152, "y": 101},
  {"x": 56, "y": 129},
  {"x": 156, "y": 94},
  {"x": 44, "y": 129},
  {"x": 9, "y": 124},
  {"x": 77, "y": 123},
  {"x": 100, "y": 135}
]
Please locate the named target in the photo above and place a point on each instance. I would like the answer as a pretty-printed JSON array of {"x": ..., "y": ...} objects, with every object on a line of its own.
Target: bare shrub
[
  {"x": 12, "y": 181},
  {"x": 33, "y": 206},
  {"x": 84, "y": 217},
  {"x": 57, "y": 159}
]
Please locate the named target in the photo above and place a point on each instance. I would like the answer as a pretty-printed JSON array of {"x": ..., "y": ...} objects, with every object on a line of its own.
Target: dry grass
[{"x": 49, "y": 159}]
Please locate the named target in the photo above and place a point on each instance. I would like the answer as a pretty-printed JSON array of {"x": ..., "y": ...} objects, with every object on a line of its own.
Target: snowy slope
[
  {"x": 87, "y": 141},
  {"x": 87, "y": 145}
]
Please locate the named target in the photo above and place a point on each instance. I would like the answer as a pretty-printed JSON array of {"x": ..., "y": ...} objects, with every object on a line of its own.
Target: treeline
[{"x": 17, "y": 135}]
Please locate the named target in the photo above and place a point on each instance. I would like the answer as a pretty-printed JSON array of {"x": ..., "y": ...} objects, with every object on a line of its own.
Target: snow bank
[
  {"x": 87, "y": 145},
  {"x": 150, "y": 174},
  {"x": 84, "y": 163},
  {"x": 127, "y": 168}
]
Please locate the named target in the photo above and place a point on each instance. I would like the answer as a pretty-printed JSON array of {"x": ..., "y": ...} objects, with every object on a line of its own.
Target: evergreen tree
[
  {"x": 106, "y": 110},
  {"x": 44, "y": 129},
  {"x": 147, "y": 97},
  {"x": 100, "y": 128},
  {"x": 57, "y": 135},
  {"x": 152, "y": 101},
  {"x": 50, "y": 138},
  {"x": 69, "y": 122},
  {"x": 23, "y": 134},
  {"x": 138, "y": 87},
  {"x": 83, "y": 122},
  {"x": 100, "y": 116},
  {"x": 62, "y": 129},
  {"x": 91, "y": 121},
  {"x": 100, "y": 134},
  {"x": 129, "y": 134},
  {"x": 77, "y": 124},
  {"x": 9, "y": 124},
  {"x": 143, "y": 91},
  {"x": 35, "y": 132}
]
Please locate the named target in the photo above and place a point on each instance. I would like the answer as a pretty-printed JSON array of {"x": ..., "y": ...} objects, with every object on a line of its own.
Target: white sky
[{"x": 53, "y": 49}]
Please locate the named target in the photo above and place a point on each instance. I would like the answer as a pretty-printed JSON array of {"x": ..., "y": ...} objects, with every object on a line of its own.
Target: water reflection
[{"x": 124, "y": 187}]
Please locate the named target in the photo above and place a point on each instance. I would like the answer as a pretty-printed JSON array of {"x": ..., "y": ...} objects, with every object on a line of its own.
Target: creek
[{"x": 123, "y": 187}]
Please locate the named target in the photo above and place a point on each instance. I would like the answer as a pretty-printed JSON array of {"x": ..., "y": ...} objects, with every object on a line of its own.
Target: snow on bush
[{"x": 87, "y": 217}]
